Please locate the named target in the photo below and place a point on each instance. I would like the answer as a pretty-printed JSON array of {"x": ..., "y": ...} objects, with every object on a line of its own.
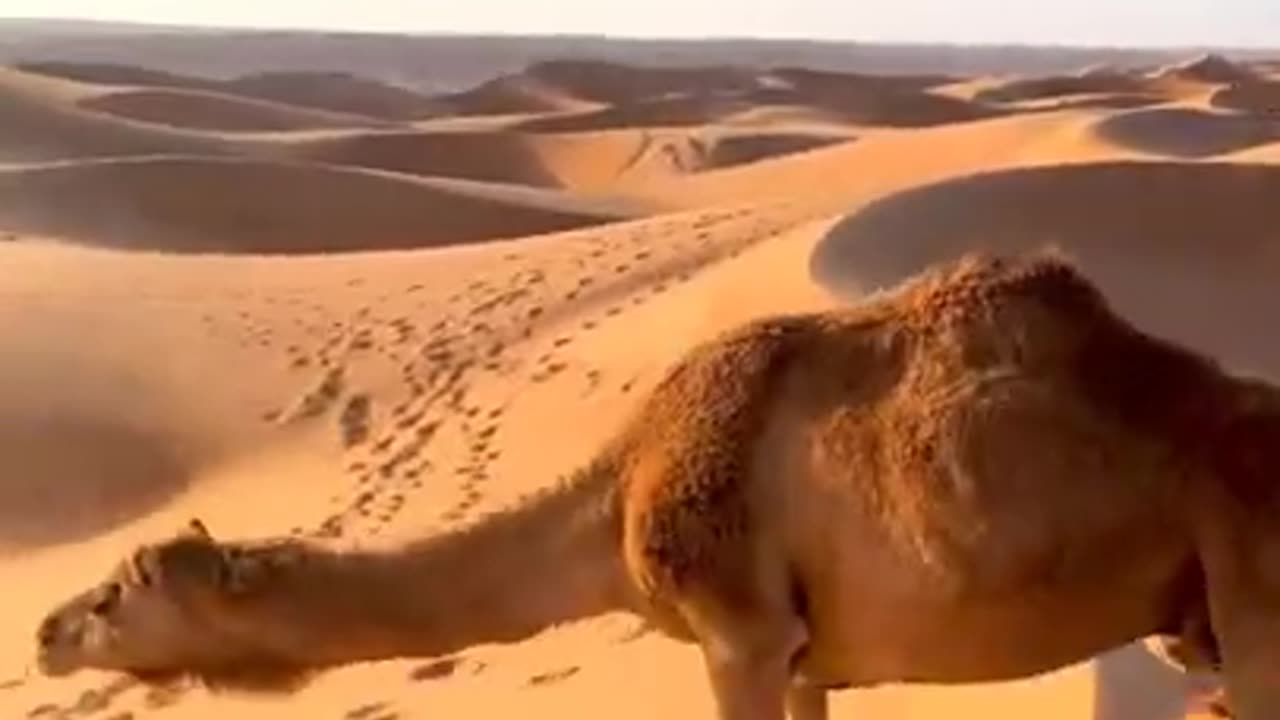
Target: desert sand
[{"x": 321, "y": 305}]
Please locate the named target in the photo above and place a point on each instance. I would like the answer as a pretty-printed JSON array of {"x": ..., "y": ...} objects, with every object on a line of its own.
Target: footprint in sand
[
  {"x": 436, "y": 670},
  {"x": 384, "y": 444},
  {"x": 319, "y": 399},
  {"x": 554, "y": 676},
  {"x": 355, "y": 420},
  {"x": 12, "y": 684},
  {"x": 362, "y": 341},
  {"x": 369, "y": 711}
]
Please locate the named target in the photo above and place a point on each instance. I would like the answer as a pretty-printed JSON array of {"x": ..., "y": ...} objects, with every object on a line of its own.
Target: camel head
[{"x": 161, "y": 614}]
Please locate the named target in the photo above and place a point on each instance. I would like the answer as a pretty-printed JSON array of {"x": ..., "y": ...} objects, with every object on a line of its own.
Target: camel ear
[{"x": 197, "y": 528}]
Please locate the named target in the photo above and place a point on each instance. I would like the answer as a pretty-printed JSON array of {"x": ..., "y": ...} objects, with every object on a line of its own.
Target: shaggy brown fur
[{"x": 981, "y": 474}]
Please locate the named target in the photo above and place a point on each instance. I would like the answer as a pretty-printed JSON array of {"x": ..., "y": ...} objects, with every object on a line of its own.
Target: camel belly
[
  {"x": 878, "y": 613},
  {"x": 980, "y": 642}
]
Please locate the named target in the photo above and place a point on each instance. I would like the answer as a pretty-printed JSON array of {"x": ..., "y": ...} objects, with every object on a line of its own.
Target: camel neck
[{"x": 507, "y": 577}]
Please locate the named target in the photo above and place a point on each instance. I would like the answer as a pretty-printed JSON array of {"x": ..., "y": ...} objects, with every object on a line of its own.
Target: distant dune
[
  {"x": 116, "y": 74},
  {"x": 206, "y": 110},
  {"x": 861, "y": 104},
  {"x": 1093, "y": 83},
  {"x": 1260, "y": 98},
  {"x": 334, "y": 91},
  {"x": 606, "y": 82},
  {"x": 665, "y": 112},
  {"x": 1209, "y": 68},
  {"x": 192, "y": 204},
  {"x": 512, "y": 95},
  {"x": 505, "y": 157},
  {"x": 37, "y": 126},
  {"x": 339, "y": 92}
]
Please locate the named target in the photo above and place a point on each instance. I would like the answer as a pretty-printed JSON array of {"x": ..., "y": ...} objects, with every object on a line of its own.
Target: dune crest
[
  {"x": 192, "y": 204},
  {"x": 204, "y": 110}
]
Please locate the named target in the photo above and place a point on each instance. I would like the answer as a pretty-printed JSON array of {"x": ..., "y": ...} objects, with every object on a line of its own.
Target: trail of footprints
[{"x": 438, "y": 363}]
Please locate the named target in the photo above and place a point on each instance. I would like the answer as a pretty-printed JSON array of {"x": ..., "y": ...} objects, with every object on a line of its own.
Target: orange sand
[{"x": 200, "y": 277}]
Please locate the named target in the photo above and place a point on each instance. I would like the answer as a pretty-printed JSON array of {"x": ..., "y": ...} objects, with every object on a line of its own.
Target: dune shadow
[
  {"x": 1259, "y": 98},
  {"x": 67, "y": 478},
  {"x": 195, "y": 204},
  {"x": 1187, "y": 132},
  {"x": 1184, "y": 250}
]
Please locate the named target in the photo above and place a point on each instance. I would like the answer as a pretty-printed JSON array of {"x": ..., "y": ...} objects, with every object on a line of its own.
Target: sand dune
[
  {"x": 333, "y": 91},
  {"x": 512, "y": 95},
  {"x": 1260, "y": 97},
  {"x": 730, "y": 149},
  {"x": 189, "y": 204},
  {"x": 1210, "y": 68},
  {"x": 338, "y": 92},
  {"x": 865, "y": 105},
  {"x": 1187, "y": 132},
  {"x": 606, "y": 82},
  {"x": 684, "y": 111},
  {"x": 39, "y": 126},
  {"x": 1184, "y": 249},
  {"x": 115, "y": 74},
  {"x": 205, "y": 110},
  {"x": 505, "y": 157},
  {"x": 1093, "y": 83},
  {"x": 833, "y": 83}
]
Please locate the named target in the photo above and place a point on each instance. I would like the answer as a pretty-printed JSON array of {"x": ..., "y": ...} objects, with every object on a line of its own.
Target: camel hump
[{"x": 980, "y": 282}]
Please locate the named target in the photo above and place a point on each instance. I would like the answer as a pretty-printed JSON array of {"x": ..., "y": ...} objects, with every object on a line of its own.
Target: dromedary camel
[{"x": 982, "y": 474}]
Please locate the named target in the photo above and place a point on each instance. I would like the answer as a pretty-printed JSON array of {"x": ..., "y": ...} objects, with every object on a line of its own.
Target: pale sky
[{"x": 1090, "y": 22}]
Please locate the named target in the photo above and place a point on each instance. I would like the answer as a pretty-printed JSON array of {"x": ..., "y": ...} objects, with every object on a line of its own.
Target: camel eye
[{"x": 107, "y": 601}]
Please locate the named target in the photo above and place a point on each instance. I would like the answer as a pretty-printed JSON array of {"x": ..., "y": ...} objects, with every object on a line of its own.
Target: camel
[{"x": 983, "y": 473}]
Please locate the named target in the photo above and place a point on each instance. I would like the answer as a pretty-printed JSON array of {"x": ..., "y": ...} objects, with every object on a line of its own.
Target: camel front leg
[
  {"x": 807, "y": 702},
  {"x": 748, "y": 684}
]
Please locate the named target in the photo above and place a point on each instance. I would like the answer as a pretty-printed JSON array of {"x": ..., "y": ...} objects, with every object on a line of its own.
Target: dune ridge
[{"x": 197, "y": 204}]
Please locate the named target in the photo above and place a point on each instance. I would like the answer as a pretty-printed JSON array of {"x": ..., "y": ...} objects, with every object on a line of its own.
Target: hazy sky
[{"x": 1123, "y": 22}]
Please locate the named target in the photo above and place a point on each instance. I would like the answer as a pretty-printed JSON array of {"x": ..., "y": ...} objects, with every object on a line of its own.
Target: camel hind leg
[{"x": 1241, "y": 559}]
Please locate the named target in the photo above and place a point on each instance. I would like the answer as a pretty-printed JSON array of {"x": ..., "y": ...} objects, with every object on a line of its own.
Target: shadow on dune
[
  {"x": 68, "y": 478},
  {"x": 487, "y": 156},
  {"x": 1187, "y": 133},
  {"x": 203, "y": 205},
  {"x": 1261, "y": 98},
  {"x": 1185, "y": 250}
]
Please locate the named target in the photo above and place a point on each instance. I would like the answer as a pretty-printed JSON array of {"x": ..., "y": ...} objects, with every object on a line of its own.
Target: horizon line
[{"x": 624, "y": 37}]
